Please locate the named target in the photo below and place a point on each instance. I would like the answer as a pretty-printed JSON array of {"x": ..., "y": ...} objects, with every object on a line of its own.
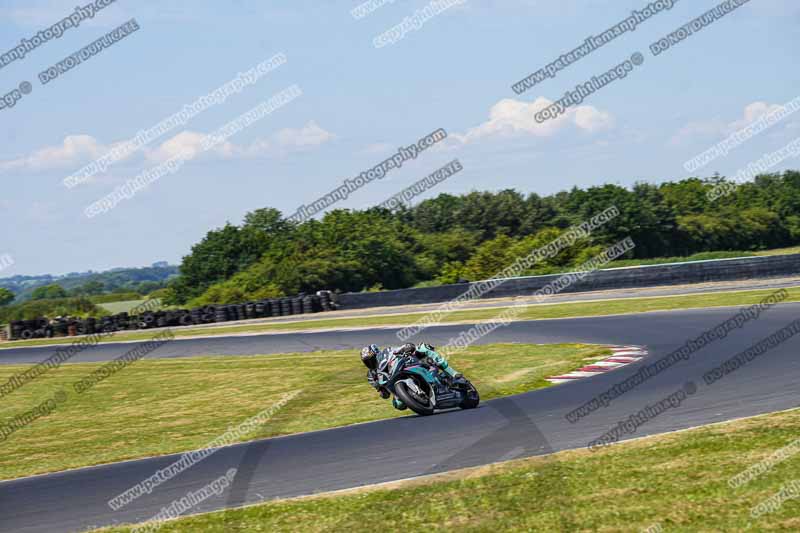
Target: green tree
[
  {"x": 434, "y": 250},
  {"x": 90, "y": 288},
  {"x": 539, "y": 213},
  {"x": 48, "y": 292},
  {"x": 146, "y": 287},
  {"x": 267, "y": 220},
  {"x": 221, "y": 254},
  {"x": 478, "y": 234},
  {"x": 437, "y": 214},
  {"x": 490, "y": 258},
  {"x": 6, "y": 296}
]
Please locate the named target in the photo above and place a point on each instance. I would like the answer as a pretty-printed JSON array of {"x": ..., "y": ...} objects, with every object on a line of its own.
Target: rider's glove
[
  {"x": 372, "y": 377},
  {"x": 407, "y": 349}
]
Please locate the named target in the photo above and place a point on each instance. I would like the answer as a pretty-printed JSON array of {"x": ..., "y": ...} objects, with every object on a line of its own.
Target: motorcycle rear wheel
[{"x": 411, "y": 400}]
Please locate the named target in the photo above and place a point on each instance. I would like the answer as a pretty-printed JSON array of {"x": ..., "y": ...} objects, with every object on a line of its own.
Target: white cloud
[
  {"x": 186, "y": 142},
  {"x": 288, "y": 140},
  {"x": 78, "y": 150},
  {"x": 279, "y": 143},
  {"x": 309, "y": 135},
  {"x": 73, "y": 150},
  {"x": 752, "y": 112},
  {"x": 695, "y": 129},
  {"x": 511, "y": 118},
  {"x": 719, "y": 128},
  {"x": 591, "y": 119}
]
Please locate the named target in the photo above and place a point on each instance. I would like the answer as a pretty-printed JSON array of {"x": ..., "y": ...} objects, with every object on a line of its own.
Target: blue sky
[{"x": 360, "y": 103}]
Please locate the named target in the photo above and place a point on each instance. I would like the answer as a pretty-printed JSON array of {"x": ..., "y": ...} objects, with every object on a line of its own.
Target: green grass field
[
  {"x": 676, "y": 481},
  {"x": 780, "y": 251},
  {"x": 563, "y": 310},
  {"x": 120, "y": 307},
  {"x": 702, "y": 256},
  {"x": 161, "y": 406}
]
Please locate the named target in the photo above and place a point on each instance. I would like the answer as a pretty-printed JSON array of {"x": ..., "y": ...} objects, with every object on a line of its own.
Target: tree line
[{"x": 472, "y": 236}]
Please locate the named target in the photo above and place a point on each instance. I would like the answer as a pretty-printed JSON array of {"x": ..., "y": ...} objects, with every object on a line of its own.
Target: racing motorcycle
[{"x": 423, "y": 388}]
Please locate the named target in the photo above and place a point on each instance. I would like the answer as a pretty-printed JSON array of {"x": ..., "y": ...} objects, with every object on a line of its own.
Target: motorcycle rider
[{"x": 372, "y": 356}]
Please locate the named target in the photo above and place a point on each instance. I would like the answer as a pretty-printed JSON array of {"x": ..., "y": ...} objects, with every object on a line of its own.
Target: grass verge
[
  {"x": 533, "y": 312},
  {"x": 702, "y": 256},
  {"x": 121, "y": 307},
  {"x": 162, "y": 406},
  {"x": 678, "y": 481}
]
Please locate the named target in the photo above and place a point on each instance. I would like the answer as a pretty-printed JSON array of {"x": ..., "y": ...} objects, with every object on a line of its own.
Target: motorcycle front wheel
[
  {"x": 471, "y": 399},
  {"x": 412, "y": 400}
]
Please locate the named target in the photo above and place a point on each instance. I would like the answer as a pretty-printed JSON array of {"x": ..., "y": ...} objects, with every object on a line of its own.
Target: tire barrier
[
  {"x": 297, "y": 306},
  {"x": 70, "y": 327},
  {"x": 325, "y": 301}
]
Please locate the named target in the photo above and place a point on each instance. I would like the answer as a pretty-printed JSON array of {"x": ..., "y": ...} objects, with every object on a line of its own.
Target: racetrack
[
  {"x": 219, "y": 329},
  {"x": 501, "y": 429}
]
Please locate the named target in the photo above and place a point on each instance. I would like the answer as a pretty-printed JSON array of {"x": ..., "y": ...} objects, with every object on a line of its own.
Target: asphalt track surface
[
  {"x": 524, "y": 425},
  {"x": 7, "y": 355}
]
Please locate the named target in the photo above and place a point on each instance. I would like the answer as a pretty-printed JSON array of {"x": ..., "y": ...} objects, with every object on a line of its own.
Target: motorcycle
[{"x": 423, "y": 388}]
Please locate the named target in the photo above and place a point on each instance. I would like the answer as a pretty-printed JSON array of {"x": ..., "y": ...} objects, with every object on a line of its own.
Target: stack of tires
[
  {"x": 310, "y": 304},
  {"x": 104, "y": 324},
  {"x": 221, "y": 314},
  {"x": 297, "y": 306},
  {"x": 273, "y": 307},
  {"x": 184, "y": 317},
  {"x": 197, "y": 315},
  {"x": 289, "y": 307},
  {"x": 25, "y": 330},
  {"x": 326, "y": 301},
  {"x": 31, "y": 329},
  {"x": 60, "y": 327},
  {"x": 16, "y": 329}
]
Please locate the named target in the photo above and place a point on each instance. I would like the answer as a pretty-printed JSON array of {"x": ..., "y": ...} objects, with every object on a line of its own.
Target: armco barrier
[{"x": 615, "y": 278}]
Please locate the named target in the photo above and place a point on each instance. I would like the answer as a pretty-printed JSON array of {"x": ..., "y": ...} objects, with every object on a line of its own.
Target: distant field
[
  {"x": 704, "y": 256},
  {"x": 120, "y": 307},
  {"x": 780, "y": 251}
]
